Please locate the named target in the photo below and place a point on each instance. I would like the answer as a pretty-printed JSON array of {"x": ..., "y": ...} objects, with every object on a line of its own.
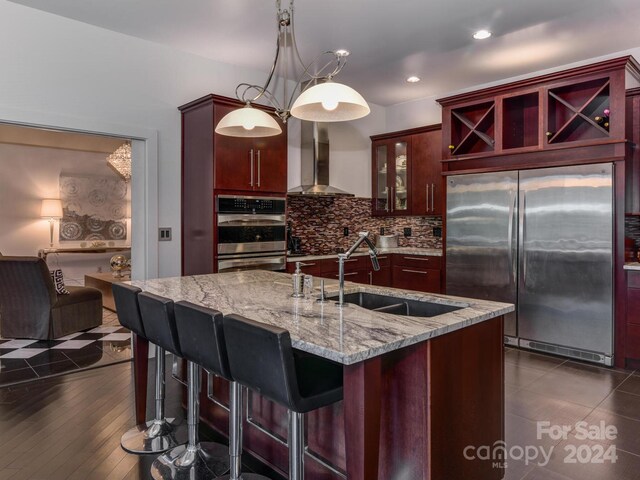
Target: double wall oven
[{"x": 251, "y": 233}]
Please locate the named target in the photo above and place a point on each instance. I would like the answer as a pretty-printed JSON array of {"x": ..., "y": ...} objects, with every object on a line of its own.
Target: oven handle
[
  {"x": 275, "y": 262},
  {"x": 257, "y": 220}
]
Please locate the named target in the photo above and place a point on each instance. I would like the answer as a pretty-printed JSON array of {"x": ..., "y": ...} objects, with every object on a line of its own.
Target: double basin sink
[{"x": 396, "y": 305}]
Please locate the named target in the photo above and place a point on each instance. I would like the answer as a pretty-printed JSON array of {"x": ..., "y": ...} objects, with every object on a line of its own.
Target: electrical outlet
[
  {"x": 381, "y": 230},
  {"x": 437, "y": 232},
  {"x": 164, "y": 234},
  {"x": 345, "y": 231},
  {"x": 407, "y": 231}
]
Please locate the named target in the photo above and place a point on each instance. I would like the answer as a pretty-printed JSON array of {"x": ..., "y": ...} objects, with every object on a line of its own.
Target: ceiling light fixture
[
  {"x": 320, "y": 99},
  {"x": 120, "y": 161},
  {"x": 482, "y": 34},
  {"x": 413, "y": 79}
]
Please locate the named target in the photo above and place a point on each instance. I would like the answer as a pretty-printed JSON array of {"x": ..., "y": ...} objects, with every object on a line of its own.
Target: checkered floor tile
[{"x": 23, "y": 360}]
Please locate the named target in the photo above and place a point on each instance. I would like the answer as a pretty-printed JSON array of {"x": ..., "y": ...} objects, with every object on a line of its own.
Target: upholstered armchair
[{"x": 31, "y": 308}]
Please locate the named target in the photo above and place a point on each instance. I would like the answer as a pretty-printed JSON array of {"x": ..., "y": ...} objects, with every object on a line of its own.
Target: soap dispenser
[{"x": 298, "y": 282}]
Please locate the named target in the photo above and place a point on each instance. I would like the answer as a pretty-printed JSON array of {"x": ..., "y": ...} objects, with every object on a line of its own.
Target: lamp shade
[
  {"x": 51, "y": 208},
  {"x": 330, "y": 102},
  {"x": 248, "y": 122}
]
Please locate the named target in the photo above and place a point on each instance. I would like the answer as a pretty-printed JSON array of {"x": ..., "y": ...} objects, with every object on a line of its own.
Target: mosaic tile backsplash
[
  {"x": 632, "y": 228},
  {"x": 320, "y": 223}
]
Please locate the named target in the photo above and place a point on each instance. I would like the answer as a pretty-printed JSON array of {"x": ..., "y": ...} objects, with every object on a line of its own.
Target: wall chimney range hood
[{"x": 314, "y": 168}]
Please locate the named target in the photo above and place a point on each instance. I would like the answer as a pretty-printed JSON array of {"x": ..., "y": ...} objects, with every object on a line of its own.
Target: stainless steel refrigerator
[{"x": 543, "y": 240}]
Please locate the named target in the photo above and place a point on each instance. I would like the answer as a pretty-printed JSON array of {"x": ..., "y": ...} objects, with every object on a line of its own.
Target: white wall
[{"x": 55, "y": 67}]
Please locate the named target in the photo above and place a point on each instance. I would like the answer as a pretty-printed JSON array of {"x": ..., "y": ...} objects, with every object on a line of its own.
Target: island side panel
[
  {"x": 362, "y": 409},
  {"x": 140, "y": 372},
  {"x": 466, "y": 401}
]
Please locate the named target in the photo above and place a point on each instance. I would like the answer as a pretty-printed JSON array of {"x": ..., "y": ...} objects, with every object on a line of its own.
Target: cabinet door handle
[
  {"x": 433, "y": 189},
  {"x": 352, "y": 273},
  {"x": 427, "y": 199},
  {"x": 251, "y": 165},
  {"x": 414, "y": 271},
  {"x": 386, "y": 192},
  {"x": 393, "y": 199},
  {"x": 370, "y": 278},
  {"x": 416, "y": 258},
  {"x": 258, "y": 167}
]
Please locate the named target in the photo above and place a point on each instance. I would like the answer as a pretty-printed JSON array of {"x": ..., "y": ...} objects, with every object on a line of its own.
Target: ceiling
[{"x": 388, "y": 40}]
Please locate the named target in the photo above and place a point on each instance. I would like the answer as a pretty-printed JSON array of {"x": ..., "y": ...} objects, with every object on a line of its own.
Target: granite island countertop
[
  {"x": 431, "y": 252},
  {"x": 346, "y": 335}
]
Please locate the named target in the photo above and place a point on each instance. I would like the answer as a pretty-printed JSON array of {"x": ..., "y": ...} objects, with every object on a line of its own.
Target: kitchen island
[{"x": 417, "y": 390}]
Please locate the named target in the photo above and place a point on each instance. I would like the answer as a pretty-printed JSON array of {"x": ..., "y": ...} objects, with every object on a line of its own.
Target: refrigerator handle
[
  {"x": 524, "y": 238},
  {"x": 512, "y": 210}
]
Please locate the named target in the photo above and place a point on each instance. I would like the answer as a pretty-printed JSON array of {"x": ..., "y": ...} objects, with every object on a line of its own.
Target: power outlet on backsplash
[
  {"x": 345, "y": 231},
  {"x": 437, "y": 232},
  {"x": 381, "y": 230},
  {"x": 407, "y": 231}
]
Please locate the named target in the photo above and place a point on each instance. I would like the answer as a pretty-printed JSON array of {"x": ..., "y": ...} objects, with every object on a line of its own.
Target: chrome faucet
[{"x": 373, "y": 253}]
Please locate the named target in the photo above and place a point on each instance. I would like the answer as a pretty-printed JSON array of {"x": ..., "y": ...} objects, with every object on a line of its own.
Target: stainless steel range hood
[{"x": 314, "y": 169}]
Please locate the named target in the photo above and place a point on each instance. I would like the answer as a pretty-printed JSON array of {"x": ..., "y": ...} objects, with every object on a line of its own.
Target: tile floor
[
  {"x": 26, "y": 360},
  {"x": 541, "y": 388}
]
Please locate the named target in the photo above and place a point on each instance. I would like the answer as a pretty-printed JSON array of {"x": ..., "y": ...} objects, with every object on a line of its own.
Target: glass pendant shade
[
  {"x": 248, "y": 122},
  {"x": 330, "y": 102}
]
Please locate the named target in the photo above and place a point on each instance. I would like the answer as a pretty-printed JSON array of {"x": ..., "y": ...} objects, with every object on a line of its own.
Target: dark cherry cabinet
[
  {"x": 417, "y": 272},
  {"x": 249, "y": 164},
  {"x": 391, "y": 175},
  {"x": 407, "y": 173},
  {"x": 411, "y": 272},
  {"x": 632, "y": 349},
  {"x": 212, "y": 164},
  {"x": 427, "y": 183},
  {"x": 552, "y": 117}
]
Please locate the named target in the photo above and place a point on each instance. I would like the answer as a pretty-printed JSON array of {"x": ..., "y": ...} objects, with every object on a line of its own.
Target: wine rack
[
  {"x": 520, "y": 115},
  {"x": 580, "y": 111},
  {"x": 472, "y": 129},
  {"x": 572, "y": 110}
]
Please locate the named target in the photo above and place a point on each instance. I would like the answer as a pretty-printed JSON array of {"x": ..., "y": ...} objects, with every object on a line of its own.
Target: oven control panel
[{"x": 226, "y": 204}]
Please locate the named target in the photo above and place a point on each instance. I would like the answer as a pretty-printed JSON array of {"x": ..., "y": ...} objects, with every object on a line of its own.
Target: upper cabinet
[
  {"x": 406, "y": 172},
  {"x": 212, "y": 162},
  {"x": 391, "y": 162},
  {"x": 249, "y": 164},
  {"x": 581, "y": 107}
]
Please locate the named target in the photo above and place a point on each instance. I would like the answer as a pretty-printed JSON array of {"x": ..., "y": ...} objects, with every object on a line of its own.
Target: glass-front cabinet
[{"x": 391, "y": 176}]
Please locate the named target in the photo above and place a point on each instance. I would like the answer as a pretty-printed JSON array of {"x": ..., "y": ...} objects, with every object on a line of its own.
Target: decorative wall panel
[{"x": 95, "y": 208}]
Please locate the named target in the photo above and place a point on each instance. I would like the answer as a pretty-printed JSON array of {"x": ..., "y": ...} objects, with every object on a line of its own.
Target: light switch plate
[{"x": 164, "y": 234}]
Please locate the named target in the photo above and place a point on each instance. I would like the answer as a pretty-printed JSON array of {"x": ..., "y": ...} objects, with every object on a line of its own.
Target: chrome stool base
[
  {"x": 154, "y": 437},
  {"x": 206, "y": 461},
  {"x": 244, "y": 476}
]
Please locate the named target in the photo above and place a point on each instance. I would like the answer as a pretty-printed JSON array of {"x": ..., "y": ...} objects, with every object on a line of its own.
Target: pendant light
[{"x": 320, "y": 98}]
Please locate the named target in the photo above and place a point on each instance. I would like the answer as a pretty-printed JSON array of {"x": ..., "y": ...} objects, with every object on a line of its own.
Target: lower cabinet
[
  {"x": 417, "y": 272},
  {"x": 632, "y": 344},
  {"x": 411, "y": 272}
]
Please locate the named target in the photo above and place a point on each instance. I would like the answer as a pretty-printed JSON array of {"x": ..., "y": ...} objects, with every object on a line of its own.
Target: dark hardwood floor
[{"x": 69, "y": 427}]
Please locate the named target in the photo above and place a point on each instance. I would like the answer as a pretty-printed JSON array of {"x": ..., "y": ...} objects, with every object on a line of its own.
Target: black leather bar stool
[
  {"x": 202, "y": 341},
  {"x": 159, "y": 434},
  {"x": 195, "y": 460},
  {"x": 261, "y": 358}
]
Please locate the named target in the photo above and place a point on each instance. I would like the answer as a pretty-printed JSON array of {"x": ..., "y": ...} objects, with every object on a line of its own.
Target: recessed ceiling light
[
  {"x": 482, "y": 34},
  {"x": 413, "y": 79},
  {"x": 342, "y": 52}
]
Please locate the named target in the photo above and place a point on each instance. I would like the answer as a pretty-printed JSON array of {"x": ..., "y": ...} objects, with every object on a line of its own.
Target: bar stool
[
  {"x": 261, "y": 358},
  {"x": 202, "y": 341},
  {"x": 159, "y": 434},
  {"x": 195, "y": 460}
]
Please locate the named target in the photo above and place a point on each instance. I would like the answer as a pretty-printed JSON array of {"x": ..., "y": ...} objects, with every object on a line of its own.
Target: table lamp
[{"x": 51, "y": 209}]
